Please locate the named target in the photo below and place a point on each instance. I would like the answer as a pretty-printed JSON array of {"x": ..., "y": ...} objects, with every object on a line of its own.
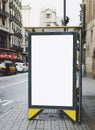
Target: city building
[
  {"x": 48, "y": 17},
  {"x": 10, "y": 29},
  {"x": 4, "y": 24},
  {"x": 88, "y": 22},
  {"x": 25, "y": 45},
  {"x": 26, "y": 15},
  {"x": 26, "y": 20},
  {"x": 15, "y": 24}
]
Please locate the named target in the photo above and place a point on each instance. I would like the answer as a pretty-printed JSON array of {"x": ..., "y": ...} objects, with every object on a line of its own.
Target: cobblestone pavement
[{"x": 15, "y": 117}]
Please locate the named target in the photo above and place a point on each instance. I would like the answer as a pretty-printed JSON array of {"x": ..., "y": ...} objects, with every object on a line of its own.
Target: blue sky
[{"x": 72, "y": 9}]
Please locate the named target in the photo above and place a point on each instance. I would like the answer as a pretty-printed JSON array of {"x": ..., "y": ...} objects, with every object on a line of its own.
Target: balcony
[
  {"x": 17, "y": 48},
  {"x": 12, "y": 5},
  {"x": 11, "y": 17},
  {"x": 19, "y": 23},
  {"x": 18, "y": 34},
  {"x": 4, "y": 13},
  {"x": 4, "y": 28}
]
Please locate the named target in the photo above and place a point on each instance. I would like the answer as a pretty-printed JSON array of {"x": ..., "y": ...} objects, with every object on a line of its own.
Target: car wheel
[
  {"x": 16, "y": 71},
  {"x": 8, "y": 72}
]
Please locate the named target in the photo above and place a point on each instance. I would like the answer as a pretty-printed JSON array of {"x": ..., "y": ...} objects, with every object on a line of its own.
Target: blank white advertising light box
[{"x": 52, "y": 70}]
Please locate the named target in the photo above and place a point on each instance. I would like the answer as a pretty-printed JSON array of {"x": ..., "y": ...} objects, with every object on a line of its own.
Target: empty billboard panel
[{"x": 52, "y": 70}]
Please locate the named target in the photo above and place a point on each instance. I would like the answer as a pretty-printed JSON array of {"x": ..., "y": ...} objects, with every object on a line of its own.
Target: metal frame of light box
[{"x": 74, "y": 70}]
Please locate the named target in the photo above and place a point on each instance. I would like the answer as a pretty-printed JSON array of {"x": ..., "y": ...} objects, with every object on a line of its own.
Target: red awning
[
  {"x": 14, "y": 56},
  {"x": 3, "y": 55},
  {"x": 9, "y": 56},
  {"x": 6, "y": 55}
]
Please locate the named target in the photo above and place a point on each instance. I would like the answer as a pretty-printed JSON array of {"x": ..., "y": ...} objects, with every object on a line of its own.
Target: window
[
  {"x": 26, "y": 49},
  {"x": 91, "y": 35},
  {"x": 0, "y": 5},
  {"x": 48, "y": 15},
  {"x": 3, "y": 21},
  {"x": 3, "y": 7}
]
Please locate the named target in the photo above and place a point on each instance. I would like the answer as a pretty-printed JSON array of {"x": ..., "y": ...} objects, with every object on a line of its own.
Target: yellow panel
[
  {"x": 71, "y": 114},
  {"x": 32, "y": 112}
]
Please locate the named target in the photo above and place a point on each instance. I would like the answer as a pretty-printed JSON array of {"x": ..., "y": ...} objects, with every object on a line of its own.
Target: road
[{"x": 13, "y": 89}]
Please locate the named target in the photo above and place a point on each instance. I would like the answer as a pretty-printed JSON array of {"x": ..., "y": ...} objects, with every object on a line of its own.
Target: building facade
[
  {"x": 15, "y": 24},
  {"x": 11, "y": 26},
  {"x": 26, "y": 20},
  {"x": 48, "y": 17},
  {"x": 25, "y": 45},
  {"x": 89, "y": 18},
  {"x": 4, "y": 24},
  {"x": 26, "y": 15}
]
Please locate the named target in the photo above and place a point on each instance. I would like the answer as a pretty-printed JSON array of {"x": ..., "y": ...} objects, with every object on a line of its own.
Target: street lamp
[{"x": 66, "y": 18}]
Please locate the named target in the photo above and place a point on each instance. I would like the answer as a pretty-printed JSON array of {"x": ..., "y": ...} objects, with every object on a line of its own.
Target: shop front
[{"x": 8, "y": 54}]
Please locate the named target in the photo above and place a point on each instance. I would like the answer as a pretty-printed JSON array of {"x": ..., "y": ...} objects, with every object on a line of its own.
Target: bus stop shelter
[{"x": 53, "y": 82}]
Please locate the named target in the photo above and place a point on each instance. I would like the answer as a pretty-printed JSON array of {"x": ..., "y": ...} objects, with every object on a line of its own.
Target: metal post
[
  {"x": 64, "y": 11},
  {"x": 80, "y": 80}
]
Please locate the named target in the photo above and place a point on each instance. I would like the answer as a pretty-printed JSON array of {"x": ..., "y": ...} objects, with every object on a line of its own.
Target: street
[
  {"x": 14, "y": 106},
  {"x": 13, "y": 89}
]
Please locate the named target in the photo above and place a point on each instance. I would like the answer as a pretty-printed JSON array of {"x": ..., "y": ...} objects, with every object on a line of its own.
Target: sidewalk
[{"x": 15, "y": 117}]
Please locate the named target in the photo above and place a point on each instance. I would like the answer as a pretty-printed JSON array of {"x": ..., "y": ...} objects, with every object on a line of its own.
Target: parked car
[
  {"x": 7, "y": 68},
  {"x": 21, "y": 67}
]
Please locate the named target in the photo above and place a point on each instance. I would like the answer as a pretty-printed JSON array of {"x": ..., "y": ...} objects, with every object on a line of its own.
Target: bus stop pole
[{"x": 80, "y": 79}]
